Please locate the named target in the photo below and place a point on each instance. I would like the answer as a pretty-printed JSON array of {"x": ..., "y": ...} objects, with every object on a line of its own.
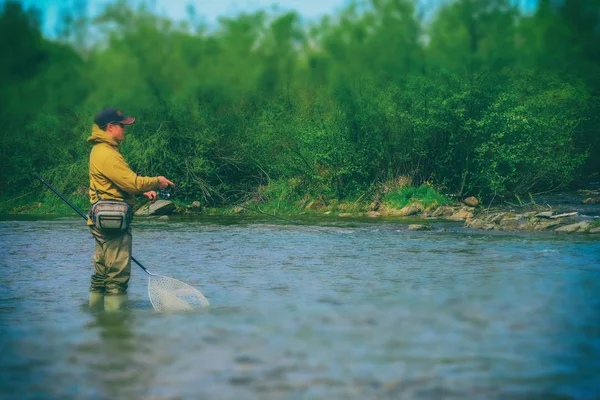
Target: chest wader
[
  {"x": 112, "y": 257},
  {"x": 112, "y": 266}
]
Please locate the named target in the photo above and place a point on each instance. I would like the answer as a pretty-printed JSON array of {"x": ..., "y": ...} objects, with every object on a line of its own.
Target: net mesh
[{"x": 168, "y": 294}]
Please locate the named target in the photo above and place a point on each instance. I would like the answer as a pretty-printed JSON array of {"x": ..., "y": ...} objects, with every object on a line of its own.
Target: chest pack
[{"x": 111, "y": 215}]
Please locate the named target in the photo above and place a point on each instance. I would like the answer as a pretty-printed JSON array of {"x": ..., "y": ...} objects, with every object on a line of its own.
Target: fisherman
[{"x": 112, "y": 179}]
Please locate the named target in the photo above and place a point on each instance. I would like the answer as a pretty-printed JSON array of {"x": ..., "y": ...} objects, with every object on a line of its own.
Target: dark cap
[{"x": 112, "y": 116}]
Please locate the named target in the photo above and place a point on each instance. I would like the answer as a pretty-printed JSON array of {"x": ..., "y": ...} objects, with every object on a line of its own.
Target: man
[{"x": 112, "y": 179}]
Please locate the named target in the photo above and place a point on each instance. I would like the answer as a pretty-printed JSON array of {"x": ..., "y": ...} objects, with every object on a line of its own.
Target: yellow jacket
[{"x": 110, "y": 175}]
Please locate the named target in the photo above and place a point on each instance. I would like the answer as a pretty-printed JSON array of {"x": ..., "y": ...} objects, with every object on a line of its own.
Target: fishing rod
[
  {"x": 84, "y": 216},
  {"x": 165, "y": 293}
]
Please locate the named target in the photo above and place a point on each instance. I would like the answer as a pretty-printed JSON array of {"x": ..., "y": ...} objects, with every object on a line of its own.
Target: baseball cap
[{"x": 112, "y": 115}]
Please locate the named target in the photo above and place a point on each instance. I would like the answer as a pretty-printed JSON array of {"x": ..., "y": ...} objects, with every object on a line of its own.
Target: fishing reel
[{"x": 163, "y": 193}]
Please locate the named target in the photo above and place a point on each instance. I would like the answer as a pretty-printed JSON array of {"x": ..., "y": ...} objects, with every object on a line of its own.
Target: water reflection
[{"x": 110, "y": 359}]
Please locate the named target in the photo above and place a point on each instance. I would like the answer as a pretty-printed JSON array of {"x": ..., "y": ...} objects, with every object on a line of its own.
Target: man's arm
[{"x": 121, "y": 175}]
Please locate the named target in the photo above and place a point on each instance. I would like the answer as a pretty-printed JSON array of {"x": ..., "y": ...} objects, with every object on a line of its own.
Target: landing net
[{"x": 168, "y": 294}]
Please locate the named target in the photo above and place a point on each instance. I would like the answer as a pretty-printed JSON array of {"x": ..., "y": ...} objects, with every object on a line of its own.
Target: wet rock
[
  {"x": 419, "y": 227},
  {"x": 500, "y": 216},
  {"x": 545, "y": 214},
  {"x": 571, "y": 214},
  {"x": 545, "y": 224},
  {"x": 592, "y": 200},
  {"x": 573, "y": 227},
  {"x": 443, "y": 211},
  {"x": 160, "y": 207},
  {"x": 579, "y": 226},
  {"x": 461, "y": 216},
  {"x": 471, "y": 201},
  {"x": 480, "y": 224},
  {"x": 515, "y": 223},
  {"x": 411, "y": 210}
]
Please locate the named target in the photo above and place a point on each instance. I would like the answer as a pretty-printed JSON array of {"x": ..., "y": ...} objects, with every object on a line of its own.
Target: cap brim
[{"x": 128, "y": 120}]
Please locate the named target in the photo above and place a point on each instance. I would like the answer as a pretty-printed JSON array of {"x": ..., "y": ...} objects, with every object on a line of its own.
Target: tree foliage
[{"x": 479, "y": 97}]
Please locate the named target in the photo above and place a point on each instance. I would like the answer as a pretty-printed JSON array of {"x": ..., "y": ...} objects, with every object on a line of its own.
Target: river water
[{"x": 334, "y": 310}]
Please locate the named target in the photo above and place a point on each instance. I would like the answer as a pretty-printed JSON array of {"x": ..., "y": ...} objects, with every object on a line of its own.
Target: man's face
[{"x": 116, "y": 131}]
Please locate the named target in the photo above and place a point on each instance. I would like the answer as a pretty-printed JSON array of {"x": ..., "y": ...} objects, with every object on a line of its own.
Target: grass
[
  {"x": 42, "y": 204},
  {"x": 424, "y": 195},
  {"x": 278, "y": 197}
]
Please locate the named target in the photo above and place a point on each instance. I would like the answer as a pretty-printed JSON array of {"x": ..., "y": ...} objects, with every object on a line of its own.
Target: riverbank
[
  {"x": 576, "y": 212},
  {"x": 581, "y": 217}
]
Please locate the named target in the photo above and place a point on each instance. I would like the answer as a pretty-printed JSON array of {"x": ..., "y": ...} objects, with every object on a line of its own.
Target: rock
[
  {"x": 461, "y": 215},
  {"x": 419, "y": 227},
  {"x": 592, "y": 200},
  {"x": 571, "y": 214},
  {"x": 498, "y": 217},
  {"x": 196, "y": 205},
  {"x": 545, "y": 214},
  {"x": 595, "y": 230},
  {"x": 478, "y": 224},
  {"x": 573, "y": 227},
  {"x": 471, "y": 201},
  {"x": 238, "y": 210},
  {"x": 541, "y": 225},
  {"x": 344, "y": 215},
  {"x": 327, "y": 212},
  {"x": 442, "y": 211},
  {"x": 373, "y": 214},
  {"x": 164, "y": 217},
  {"x": 511, "y": 224},
  {"x": 160, "y": 207},
  {"x": 411, "y": 210}
]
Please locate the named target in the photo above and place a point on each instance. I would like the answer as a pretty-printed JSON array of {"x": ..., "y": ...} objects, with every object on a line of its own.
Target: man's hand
[
  {"x": 164, "y": 182},
  {"x": 151, "y": 195}
]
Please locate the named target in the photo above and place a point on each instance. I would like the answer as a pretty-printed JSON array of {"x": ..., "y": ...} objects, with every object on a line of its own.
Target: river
[{"x": 337, "y": 309}]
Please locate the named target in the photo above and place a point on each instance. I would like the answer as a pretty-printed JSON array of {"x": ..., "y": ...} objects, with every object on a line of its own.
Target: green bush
[
  {"x": 494, "y": 103},
  {"x": 424, "y": 195}
]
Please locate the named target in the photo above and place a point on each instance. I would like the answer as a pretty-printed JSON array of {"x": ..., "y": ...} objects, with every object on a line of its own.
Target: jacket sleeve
[{"x": 121, "y": 175}]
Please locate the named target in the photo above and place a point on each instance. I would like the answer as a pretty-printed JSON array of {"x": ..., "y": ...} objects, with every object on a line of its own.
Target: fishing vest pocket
[{"x": 111, "y": 215}]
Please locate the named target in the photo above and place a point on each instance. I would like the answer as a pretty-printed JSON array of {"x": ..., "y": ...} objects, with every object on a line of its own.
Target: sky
[{"x": 210, "y": 10}]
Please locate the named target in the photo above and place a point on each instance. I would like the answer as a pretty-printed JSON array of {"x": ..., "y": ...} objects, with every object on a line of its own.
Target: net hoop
[{"x": 168, "y": 294}]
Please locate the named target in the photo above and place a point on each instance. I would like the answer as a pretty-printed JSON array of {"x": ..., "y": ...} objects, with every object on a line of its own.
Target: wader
[{"x": 112, "y": 262}]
